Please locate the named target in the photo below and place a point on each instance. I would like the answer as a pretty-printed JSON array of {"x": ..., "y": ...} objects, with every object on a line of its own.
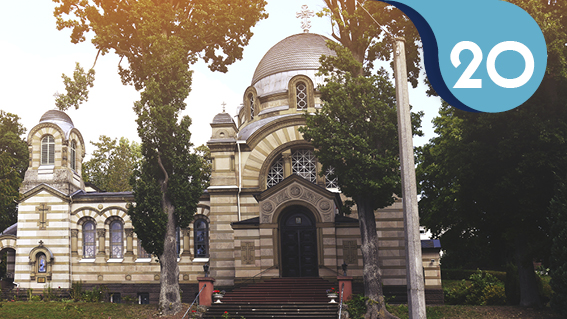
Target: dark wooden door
[{"x": 299, "y": 246}]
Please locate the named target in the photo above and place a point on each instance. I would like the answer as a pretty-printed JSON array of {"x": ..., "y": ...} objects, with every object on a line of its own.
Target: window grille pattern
[
  {"x": 330, "y": 183},
  {"x": 116, "y": 241},
  {"x": 201, "y": 238},
  {"x": 304, "y": 164},
  {"x": 251, "y": 98},
  {"x": 276, "y": 173},
  {"x": 89, "y": 239},
  {"x": 301, "y": 94},
  {"x": 74, "y": 155},
  {"x": 48, "y": 150}
]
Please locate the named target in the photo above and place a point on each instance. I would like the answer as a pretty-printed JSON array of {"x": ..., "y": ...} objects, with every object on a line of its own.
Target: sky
[{"x": 33, "y": 55}]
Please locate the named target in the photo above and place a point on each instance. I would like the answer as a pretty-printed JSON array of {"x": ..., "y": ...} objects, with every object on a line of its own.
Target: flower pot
[
  {"x": 218, "y": 297},
  {"x": 332, "y": 296}
]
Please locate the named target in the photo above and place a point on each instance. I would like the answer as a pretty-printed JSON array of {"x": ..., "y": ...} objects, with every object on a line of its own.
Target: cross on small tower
[
  {"x": 304, "y": 15},
  {"x": 42, "y": 209},
  {"x": 223, "y": 105}
]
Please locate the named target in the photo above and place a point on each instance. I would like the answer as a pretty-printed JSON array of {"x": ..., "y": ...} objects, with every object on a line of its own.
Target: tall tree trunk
[
  {"x": 169, "y": 298},
  {"x": 529, "y": 293},
  {"x": 371, "y": 273}
]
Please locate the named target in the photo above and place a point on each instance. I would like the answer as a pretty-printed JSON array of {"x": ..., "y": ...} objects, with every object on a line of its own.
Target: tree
[
  {"x": 359, "y": 26},
  {"x": 355, "y": 133},
  {"x": 489, "y": 178},
  {"x": 558, "y": 259},
  {"x": 160, "y": 40},
  {"x": 14, "y": 159},
  {"x": 111, "y": 164}
]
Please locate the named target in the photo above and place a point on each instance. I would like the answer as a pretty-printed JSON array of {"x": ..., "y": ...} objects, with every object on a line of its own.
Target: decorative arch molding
[
  {"x": 275, "y": 154},
  {"x": 203, "y": 210},
  {"x": 287, "y": 122},
  {"x": 44, "y": 129},
  {"x": 8, "y": 242},
  {"x": 292, "y": 91},
  {"x": 85, "y": 211},
  {"x": 116, "y": 211},
  {"x": 295, "y": 190},
  {"x": 34, "y": 257},
  {"x": 81, "y": 140}
]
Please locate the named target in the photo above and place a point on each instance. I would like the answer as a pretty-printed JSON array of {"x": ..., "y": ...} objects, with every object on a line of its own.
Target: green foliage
[
  {"x": 14, "y": 158},
  {"x": 77, "y": 88},
  {"x": 356, "y": 306},
  {"x": 481, "y": 289},
  {"x": 558, "y": 258},
  {"x": 76, "y": 291},
  {"x": 512, "y": 285},
  {"x": 354, "y": 26},
  {"x": 460, "y": 274},
  {"x": 111, "y": 164}
]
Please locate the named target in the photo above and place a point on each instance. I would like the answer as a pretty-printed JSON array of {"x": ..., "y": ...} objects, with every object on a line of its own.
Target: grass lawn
[{"x": 80, "y": 310}]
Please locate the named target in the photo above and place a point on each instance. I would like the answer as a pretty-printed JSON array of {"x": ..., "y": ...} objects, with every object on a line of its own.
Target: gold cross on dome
[{"x": 304, "y": 15}]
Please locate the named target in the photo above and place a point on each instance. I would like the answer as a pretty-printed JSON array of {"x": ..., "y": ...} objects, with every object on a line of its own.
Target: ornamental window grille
[
  {"x": 331, "y": 182},
  {"x": 48, "y": 150},
  {"x": 116, "y": 239},
  {"x": 142, "y": 253},
  {"x": 201, "y": 238},
  {"x": 301, "y": 95},
  {"x": 89, "y": 239},
  {"x": 276, "y": 173},
  {"x": 74, "y": 155},
  {"x": 304, "y": 164},
  {"x": 251, "y": 98}
]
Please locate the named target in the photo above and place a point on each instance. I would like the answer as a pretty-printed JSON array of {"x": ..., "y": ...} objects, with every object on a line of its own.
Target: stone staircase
[{"x": 278, "y": 298}]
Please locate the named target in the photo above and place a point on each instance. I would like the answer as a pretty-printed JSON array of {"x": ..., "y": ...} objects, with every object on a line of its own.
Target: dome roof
[
  {"x": 56, "y": 115},
  {"x": 297, "y": 52},
  {"x": 223, "y": 118},
  {"x": 60, "y": 119}
]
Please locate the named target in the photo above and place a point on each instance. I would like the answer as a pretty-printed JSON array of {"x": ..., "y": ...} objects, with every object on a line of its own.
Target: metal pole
[{"x": 414, "y": 266}]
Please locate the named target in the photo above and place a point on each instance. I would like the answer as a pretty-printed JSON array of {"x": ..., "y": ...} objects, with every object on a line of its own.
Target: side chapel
[{"x": 267, "y": 212}]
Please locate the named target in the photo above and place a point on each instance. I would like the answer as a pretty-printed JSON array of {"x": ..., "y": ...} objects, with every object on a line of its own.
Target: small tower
[{"x": 56, "y": 151}]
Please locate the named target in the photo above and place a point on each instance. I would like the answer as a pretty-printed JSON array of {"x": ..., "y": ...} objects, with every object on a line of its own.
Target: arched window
[
  {"x": 89, "y": 239},
  {"x": 251, "y": 99},
  {"x": 116, "y": 241},
  {"x": 276, "y": 173},
  {"x": 304, "y": 164},
  {"x": 74, "y": 155},
  {"x": 48, "y": 150},
  {"x": 201, "y": 238},
  {"x": 301, "y": 95},
  {"x": 41, "y": 263}
]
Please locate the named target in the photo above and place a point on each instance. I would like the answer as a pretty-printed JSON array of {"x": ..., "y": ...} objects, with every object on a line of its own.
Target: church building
[{"x": 266, "y": 214}]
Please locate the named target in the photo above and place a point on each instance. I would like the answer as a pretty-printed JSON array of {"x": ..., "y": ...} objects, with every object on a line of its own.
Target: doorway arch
[{"x": 298, "y": 242}]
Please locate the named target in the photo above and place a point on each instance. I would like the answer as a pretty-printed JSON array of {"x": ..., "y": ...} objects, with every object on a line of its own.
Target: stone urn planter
[
  {"x": 332, "y": 294},
  {"x": 218, "y": 295}
]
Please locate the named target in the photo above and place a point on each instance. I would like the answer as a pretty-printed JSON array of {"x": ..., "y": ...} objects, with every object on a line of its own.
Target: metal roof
[{"x": 297, "y": 52}]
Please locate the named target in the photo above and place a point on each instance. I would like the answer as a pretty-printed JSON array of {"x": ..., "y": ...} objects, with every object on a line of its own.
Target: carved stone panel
[
  {"x": 350, "y": 252},
  {"x": 248, "y": 253}
]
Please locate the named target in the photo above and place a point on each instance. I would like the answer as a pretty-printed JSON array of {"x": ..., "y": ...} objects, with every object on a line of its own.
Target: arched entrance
[{"x": 298, "y": 243}]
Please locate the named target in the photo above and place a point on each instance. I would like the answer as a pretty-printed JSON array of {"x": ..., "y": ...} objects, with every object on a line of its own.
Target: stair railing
[
  {"x": 331, "y": 269},
  {"x": 196, "y": 297},
  {"x": 341, "y": 303}
]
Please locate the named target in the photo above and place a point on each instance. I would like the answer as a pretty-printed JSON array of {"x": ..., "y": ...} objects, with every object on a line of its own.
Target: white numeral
[{"x": 465, "y": 81}]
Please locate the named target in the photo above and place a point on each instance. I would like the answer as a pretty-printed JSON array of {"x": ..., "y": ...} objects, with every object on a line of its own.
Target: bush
[
  {"x": 356, "y": 306},
  {"x": 481, "y": 289}
]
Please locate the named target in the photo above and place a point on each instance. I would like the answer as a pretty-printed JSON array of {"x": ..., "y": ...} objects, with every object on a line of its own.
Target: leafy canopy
[
  {"x": 111, "y": 164},
  {"x": 14, "y": 158}
]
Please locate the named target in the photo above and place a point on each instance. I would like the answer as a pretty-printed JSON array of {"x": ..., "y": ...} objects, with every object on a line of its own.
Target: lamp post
[
  {"x": 206, "y": 269},
  {"x": 344, "y": 265}
]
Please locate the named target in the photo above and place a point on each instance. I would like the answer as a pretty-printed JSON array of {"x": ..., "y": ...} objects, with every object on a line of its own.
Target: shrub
[
  {"x": 356, "y": 306},
  {"x": 481, "y": 289},
  {"x": 77, "y": 290}
]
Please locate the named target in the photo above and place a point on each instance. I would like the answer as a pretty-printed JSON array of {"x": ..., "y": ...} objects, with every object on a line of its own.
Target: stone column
[
  {"x": 74, "y": 235},
  {"x": 101, "y": 254},
  {"x": 186, "y": 242},
  {"x": 286, "y": 157},
  {"x": 129, "y": 255},
  {"x": 206, "y": 296}
]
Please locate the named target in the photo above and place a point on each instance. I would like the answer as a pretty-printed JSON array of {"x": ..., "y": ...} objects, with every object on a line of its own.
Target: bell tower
[{"x": 56, "y": 151}]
